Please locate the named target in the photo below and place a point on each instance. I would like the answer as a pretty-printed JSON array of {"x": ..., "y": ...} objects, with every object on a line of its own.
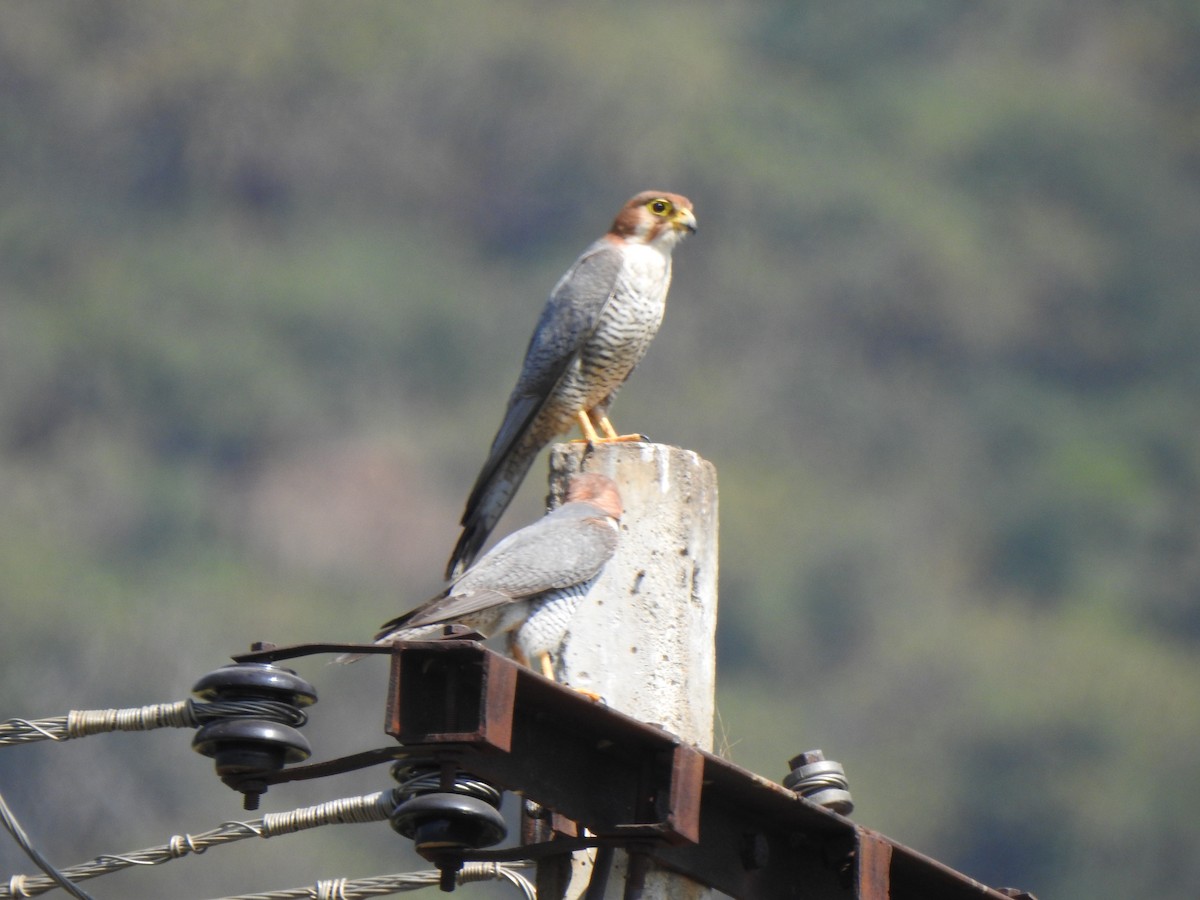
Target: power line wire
[
  {"x": 180, "y": 714},
  {"x": 192, "y": 713},
  {"x": 367, "y": 808},
  {"x": 374, "y": 807},
  {"x": 56, "y": 878},
  {"x": 383, "y": 885}
]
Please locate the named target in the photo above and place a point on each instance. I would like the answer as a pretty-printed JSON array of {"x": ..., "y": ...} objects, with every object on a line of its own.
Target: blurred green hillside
[{"x": 267, "y": 272}]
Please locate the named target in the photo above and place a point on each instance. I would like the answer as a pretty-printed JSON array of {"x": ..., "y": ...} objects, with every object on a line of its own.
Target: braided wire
[
  {"x": 383, "y": 885},
  {"x": 347, "y": 810},
  {"x": 490, "y": 871},
  {"x": 416, "y": 779},
  {"x": 423, "y": 776},
  {"x": 53, "y": 874},
  {"x": 181, "y": 714}
]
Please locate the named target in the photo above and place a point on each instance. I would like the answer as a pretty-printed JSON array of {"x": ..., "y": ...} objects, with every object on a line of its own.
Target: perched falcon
[
  {"x": 596, "y": 326},
  {"x": 530, "y": 583}
]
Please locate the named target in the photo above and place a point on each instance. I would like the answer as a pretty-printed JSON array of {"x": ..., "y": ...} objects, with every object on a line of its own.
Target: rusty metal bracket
[
  {"x": 639, "y": 786},
  {"x": 601, "y": 768},
  {"x": 629, "y": 784}
]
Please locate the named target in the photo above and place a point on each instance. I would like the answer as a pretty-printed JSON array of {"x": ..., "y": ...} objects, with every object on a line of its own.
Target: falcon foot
[
  {"x": 615, "y": 439},
  {"x": 546, "y": 664},
  {"x": 591, "y": 695},
  {"x": 607, "y": 434}
]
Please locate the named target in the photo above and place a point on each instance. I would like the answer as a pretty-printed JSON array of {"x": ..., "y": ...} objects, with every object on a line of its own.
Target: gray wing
[
  {"x": 566, "y": 546},
  {"x": 567, "y": 321},
  {"x": 569, "y": 317},
  {"x": 444, "y": 609}
]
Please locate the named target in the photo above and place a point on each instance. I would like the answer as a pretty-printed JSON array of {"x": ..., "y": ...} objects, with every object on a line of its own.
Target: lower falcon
[{"x": 530, "y": 583}]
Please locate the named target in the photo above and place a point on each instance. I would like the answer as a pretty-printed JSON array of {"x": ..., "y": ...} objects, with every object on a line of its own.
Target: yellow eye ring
[{"x": 660, "y": 207}]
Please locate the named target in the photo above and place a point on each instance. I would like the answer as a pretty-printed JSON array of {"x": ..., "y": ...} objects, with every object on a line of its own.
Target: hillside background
[{"x": 267, "y": 272}]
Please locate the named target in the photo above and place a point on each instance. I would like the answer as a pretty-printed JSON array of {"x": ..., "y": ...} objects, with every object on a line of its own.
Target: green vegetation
[{"x": 267, "y": 271}]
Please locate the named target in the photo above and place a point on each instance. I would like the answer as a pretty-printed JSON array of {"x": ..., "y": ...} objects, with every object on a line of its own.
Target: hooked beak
[{"x": 685, "y": 220}]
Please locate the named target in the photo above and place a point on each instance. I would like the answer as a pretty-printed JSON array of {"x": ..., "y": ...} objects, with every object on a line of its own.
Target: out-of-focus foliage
[{"x": 267, "y": 271}]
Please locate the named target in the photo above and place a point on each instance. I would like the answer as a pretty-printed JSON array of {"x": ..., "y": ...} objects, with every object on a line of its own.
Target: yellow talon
[
  {"x": 547, "y": 666},
  {"x": 588, "y": 429},
  {"x": 606, "y": 435}
]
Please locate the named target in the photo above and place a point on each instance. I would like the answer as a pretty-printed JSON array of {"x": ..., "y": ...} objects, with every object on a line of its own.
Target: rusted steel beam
[
  {"x": 624, "y": 780},
  {"x": 525, "y": 733},
  {"x": 873, "y": 861},
  {"x": 451, "y": 693}
]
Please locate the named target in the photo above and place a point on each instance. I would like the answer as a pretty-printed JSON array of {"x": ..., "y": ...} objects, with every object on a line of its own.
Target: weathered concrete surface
[{"x": 644, "y": 638}]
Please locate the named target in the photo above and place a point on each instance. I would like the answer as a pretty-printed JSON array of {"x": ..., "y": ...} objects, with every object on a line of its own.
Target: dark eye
[{"x": 660, "y": 207}]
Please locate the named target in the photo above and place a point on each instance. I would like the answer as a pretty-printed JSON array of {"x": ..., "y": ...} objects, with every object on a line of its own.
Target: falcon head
[
  {"x": 655, "y": 217},
  {"x": 597, "y": 489}
]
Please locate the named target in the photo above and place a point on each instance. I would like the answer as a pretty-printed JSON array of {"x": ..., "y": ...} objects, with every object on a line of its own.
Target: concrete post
[{"x": 644, "y": 639}]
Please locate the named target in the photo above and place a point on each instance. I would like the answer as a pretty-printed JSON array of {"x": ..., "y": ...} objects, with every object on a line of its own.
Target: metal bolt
[
  {"x": 807, "y": 758},
  {"x": 820, "y": 781}
]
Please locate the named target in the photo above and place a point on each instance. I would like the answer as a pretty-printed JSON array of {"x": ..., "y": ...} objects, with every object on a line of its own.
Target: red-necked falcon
[
  {"x": 595, "y": 327},
  {"x": 531, "y": 582}
]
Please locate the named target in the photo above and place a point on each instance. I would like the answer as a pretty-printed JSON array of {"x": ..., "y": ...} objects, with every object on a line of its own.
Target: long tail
[{"x": 489, "y": 499}]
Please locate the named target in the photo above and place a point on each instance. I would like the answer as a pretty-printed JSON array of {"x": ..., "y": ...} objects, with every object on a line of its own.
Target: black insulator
[
  {"x": 250, "y": 710},
  {"x": 446, "y": 813},
  {"x": 256, "y": 681},
  {"x": 423, "y": 775},
  {"x": 250, "y": 745},
  {"x": 242, "y": 747},
  {"x": 821, "y": 781},
  {"x": 449, "y": 821}
]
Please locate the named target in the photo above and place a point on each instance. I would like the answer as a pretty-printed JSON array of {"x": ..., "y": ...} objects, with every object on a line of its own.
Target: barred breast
[
  {"x": 548, "y": 620},
  {"x": 623, "y": 333}
]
